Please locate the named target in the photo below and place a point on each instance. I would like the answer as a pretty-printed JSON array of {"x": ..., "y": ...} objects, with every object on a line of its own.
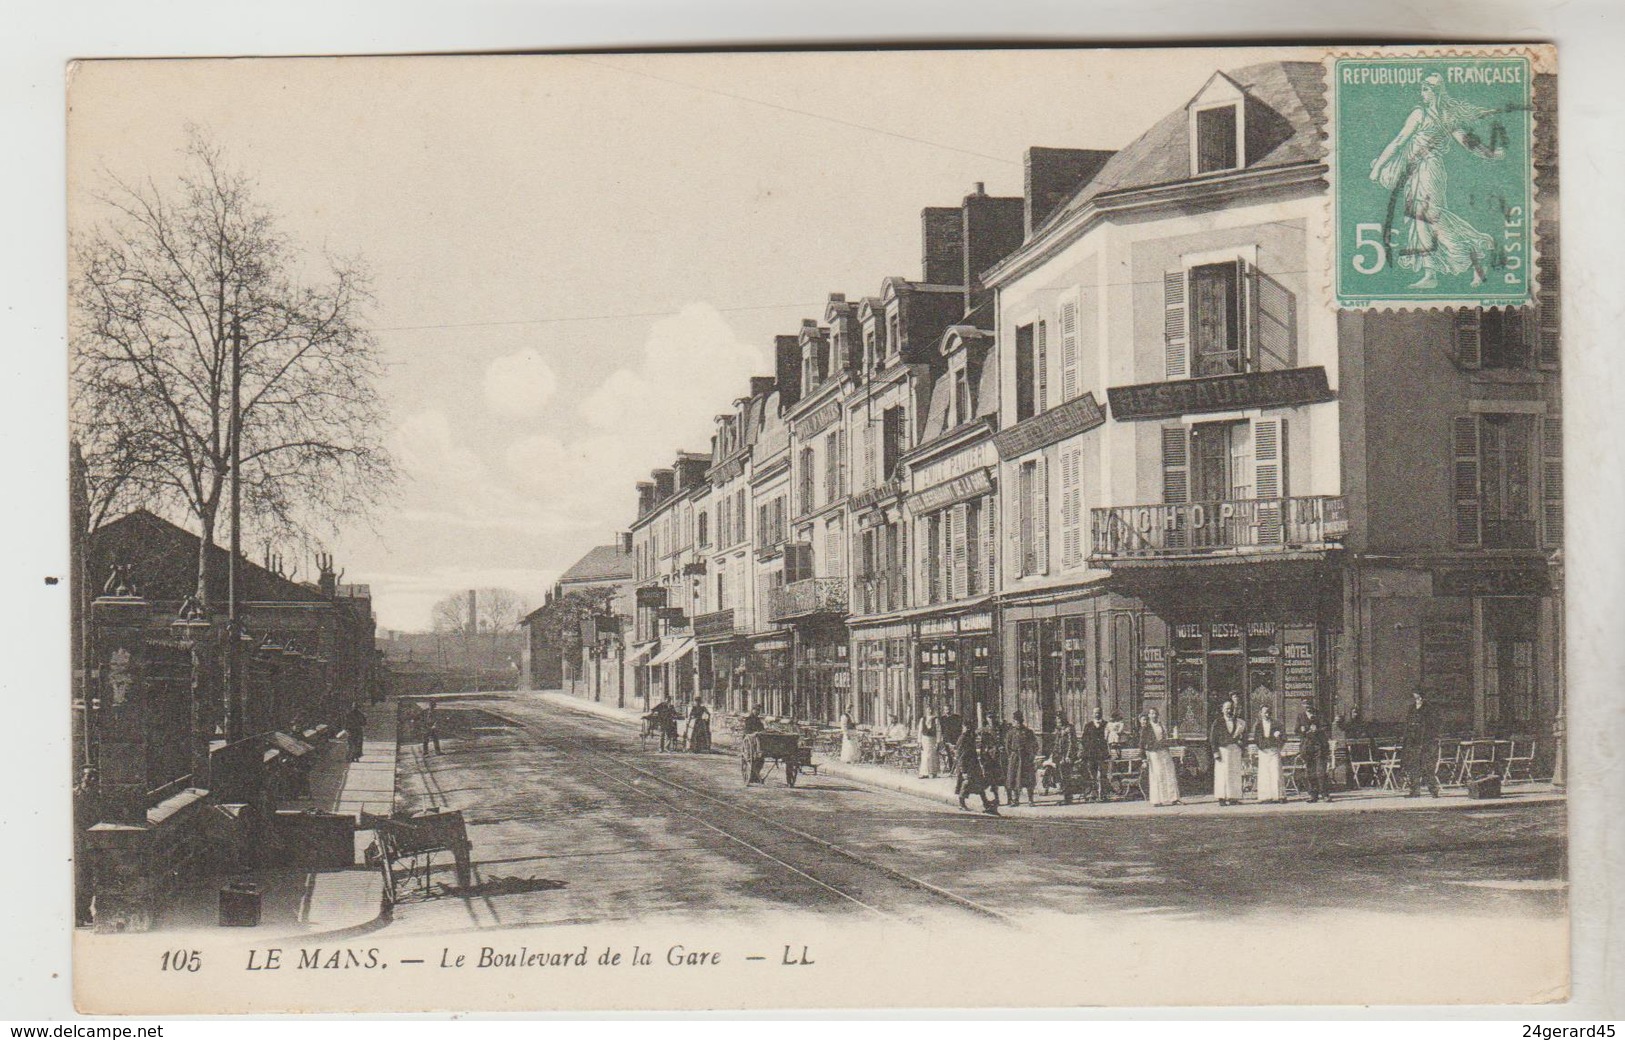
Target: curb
[{"x": 1346, "y": 803}]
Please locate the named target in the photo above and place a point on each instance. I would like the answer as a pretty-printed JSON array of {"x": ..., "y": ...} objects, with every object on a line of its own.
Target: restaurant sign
[
  {"x": 965, "y": 486},
  {"x": 1079, "y": 415},
  {"x": 1296, "y": 386},
  {"x": 652, "y": 596},
  {"x": 818, "y": 421},
  {"x": 1470, "y": 582}
]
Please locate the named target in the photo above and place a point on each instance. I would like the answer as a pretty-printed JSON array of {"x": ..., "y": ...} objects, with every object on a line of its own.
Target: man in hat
[
  {"x": 1316, "y": 749},
  {"x": 1093, "y": 753},
  {"x": 1418, "y": 758},
  {"x": 1020, "y": 760}
]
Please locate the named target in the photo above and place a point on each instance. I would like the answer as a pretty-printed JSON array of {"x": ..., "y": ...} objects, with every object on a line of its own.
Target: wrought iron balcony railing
[
  {"x": 716, "y": 623},
  {"x": 1237, "y": 526},
  {"x": 808, "y": 598}
]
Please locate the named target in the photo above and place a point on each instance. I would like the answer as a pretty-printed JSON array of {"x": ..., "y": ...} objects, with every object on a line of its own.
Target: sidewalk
[
  {"x": 302, "y": 902},
  {"x": 941, "y": 789}
]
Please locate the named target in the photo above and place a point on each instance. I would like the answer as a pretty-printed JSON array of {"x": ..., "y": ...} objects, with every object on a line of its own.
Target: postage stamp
[{"x": 1433, "y": 180}]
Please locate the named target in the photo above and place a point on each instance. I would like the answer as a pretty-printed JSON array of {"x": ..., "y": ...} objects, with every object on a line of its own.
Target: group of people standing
[{"x": 690, "y": 731}]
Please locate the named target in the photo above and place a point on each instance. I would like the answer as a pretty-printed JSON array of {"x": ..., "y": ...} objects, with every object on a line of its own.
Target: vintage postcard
[{"x": 819, "y": 529}]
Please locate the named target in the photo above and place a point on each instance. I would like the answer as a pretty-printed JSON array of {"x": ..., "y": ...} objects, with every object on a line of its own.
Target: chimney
[
  {"x": 646, "y": 498},
  {"x": 1053, "y": 176},
  {"x": 326, "y": 580},
  {"x": 665, "y": 483},
  {"x": 942, "y": 257},
  {"x": 993, "y": 230},
  {"x": 691, "y": 469},
  {"x": 761, "y": 386},
  {"x": 623, "y": 539},
  {"x": 787, "y": 361}
]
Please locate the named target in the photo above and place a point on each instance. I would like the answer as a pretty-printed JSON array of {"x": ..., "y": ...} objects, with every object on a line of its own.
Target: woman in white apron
[
  {"x": 1162, "y": 779},
  {"x": 849, "y": 737},
  {"x": 925, "y": 730},
  {"x": 1267, "y": 735}
]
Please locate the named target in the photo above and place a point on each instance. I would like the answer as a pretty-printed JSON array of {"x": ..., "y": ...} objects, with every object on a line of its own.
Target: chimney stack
[
  {"x": 646, "y": 497},
  {"x": 761, "y": 386},
  {"x": 787, "y": 361},
  {"x": 1054, "y": 175},
  {"x": 942, "y": 256},
  {"x": 665, "y": 483}
]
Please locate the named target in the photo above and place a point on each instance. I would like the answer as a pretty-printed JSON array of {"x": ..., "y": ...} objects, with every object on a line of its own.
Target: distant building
[{"x": 592, "y": 664}]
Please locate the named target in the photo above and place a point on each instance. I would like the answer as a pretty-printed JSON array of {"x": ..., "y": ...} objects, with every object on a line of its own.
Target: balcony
[
  {"x": 715, "y": 625},
  {"x": 1236, "y": 527},
  {"x": 811, "y": 597}
]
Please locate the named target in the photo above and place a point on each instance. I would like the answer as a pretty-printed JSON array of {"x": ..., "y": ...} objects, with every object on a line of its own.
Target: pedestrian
[
  {"x": 665, "y": 719},
  {"x": 430, "y": 723},
  {"x": 1225, "y": 737},
  {"x": 1061, "y": 764},
  {"x": 1115, "y": 730},
  {"x": 1417, "y": 759},
  {"x": 1267, "y": 735},
  {"x": 968, "y": 777},
  {"x": 926, "y": 732},
  {"x": 1162, "y": 779},
  {"x": 699, "y": 727},
  {"x": 354, "y": 722},
  {"x": 1020, "y": 760},
  {"x": 1094, "y": 751},
  {"x": 849, "y": 736},
  {"x": 990, "y": 748},
  {"x": 752, "y": 747},
  {"x": 1316, "y": 752},
  {"x": 950, "y": 727}
]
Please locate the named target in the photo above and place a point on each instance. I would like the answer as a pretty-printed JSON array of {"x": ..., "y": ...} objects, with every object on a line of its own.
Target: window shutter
[
  {"x": 1551, "y": 481},
  {"x": 1244, "y": 317},
  {"x": 1549, "y": 311},
  {"x": 989, "y": 535},
  {"x": 960, "y": 579},
  {"x": 1274, "y": 332},
  {"x": 1269, "y": 477},
  {"x": 1469, "y": 344},
  {"x": 1175, "y": 334},
  {"x": 1465, "y": 480},
  {"x": 1175, "y": 465},
  {"x": 1071, "y": 508},
  {"x": 1041, "y": 367},
  {"x": 1041, "y": 517},
  {"x": 1069, "y": 350}
]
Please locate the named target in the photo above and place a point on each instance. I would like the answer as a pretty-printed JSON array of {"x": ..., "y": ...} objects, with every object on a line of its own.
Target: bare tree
[
  {"x": 164, "y": 293},
  {"x": 499, "y": 610}
]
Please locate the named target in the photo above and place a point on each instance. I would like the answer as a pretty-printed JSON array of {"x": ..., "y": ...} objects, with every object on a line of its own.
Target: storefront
[
  {"x": 1069, "y": 653},
  {"x": 954, "y": 662},
  {"x": 884, "y": 684},
  {"x": 1264, "y": 634},
  {"x": 722, "y": 666},
  {"x": 823, "y": 673},
  {"x": 766, "y": 683}
]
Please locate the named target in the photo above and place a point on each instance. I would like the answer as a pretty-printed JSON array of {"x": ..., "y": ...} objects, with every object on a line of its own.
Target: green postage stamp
[{"x": 1433, "y": 177}]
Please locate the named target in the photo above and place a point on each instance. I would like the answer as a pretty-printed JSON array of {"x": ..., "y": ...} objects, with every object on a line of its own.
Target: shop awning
[
  {"x": 641, "y": 652},
  {"x": 672, "y": 652}
]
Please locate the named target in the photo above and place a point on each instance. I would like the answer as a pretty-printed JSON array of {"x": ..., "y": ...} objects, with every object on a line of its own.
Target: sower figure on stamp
[
  {"x": 1416, "y": 759},
  {"x": 1316, "y": 751}
]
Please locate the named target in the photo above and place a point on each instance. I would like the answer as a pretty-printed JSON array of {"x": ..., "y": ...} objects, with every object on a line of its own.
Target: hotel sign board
[
  {"x": 1079, "y": 415},
  {"x": 1285, "y": 389}
]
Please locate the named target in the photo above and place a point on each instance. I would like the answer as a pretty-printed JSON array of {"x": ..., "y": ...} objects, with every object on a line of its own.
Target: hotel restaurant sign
[
  {"x": 1079, "y": 415},
  {"x": 1296, "y": 386}
]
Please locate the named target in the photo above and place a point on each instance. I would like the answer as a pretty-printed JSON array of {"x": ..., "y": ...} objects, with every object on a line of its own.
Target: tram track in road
[{"x": 832, "y": 868}]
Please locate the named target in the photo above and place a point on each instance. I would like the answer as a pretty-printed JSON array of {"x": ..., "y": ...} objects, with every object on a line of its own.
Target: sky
[{"x": 579, "y": 260}]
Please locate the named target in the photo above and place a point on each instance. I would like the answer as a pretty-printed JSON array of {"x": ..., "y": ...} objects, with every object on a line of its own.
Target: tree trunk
[{"x": 204, "y": 544}]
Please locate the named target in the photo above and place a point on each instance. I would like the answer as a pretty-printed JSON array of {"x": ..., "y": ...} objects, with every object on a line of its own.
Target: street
[{"x": 572, "y": 821}]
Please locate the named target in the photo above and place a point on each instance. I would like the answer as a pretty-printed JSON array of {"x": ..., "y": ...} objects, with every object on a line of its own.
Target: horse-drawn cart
[{"x": 781, "y": 749}]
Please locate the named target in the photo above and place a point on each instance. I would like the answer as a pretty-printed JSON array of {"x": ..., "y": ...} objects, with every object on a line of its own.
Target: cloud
[
  {"x": 519, "y": 384},
  {"x": 428, "y": 449}
]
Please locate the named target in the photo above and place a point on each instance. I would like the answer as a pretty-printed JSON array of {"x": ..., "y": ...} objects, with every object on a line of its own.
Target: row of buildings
[{"x": 1117, "y": 447}]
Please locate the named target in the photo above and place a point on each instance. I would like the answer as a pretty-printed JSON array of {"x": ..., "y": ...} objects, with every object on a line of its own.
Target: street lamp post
[{"x": 233, "y": 663}]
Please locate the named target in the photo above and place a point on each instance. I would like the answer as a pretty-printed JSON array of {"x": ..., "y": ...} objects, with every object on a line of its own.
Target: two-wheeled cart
[{"x": 780, "y": 749}]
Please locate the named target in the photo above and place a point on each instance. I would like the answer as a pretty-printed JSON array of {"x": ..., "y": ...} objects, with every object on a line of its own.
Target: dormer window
[
  {"x": 1217, "y": 136},
  {"x": 962, "y": 402},
  {"x": 894, "y": 334}
]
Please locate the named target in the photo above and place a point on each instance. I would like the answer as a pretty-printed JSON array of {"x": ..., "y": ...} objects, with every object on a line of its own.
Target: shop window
[
  {"x": 1075, "y": 670},
  {"x": 1509, "y": 664}
]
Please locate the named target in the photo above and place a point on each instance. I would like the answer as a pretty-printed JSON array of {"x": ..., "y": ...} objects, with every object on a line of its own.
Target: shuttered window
[
  {"x": 990, "y": 527},
  {"x": 1025, "y": 528},
  {"x": 1041, "y": 367},
  {"x": 1069, "y": 350},
  {"x": 1041, "y": 516},
  {"x": 1176, "y": 339},
  {"x": 1071, "y": 508},
  {"x": 959, "y": 578},
  {"x": 1464, "y": 481},
  {"x": 1469, "y": 352},
  {"x": 1175, "y": 465},
  {"x": 1551, "y": 481},
  {"x": 974, "y": 585},
  {"x": 1024, "y": 372},
  {"x": 1269, "y": 477}
]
